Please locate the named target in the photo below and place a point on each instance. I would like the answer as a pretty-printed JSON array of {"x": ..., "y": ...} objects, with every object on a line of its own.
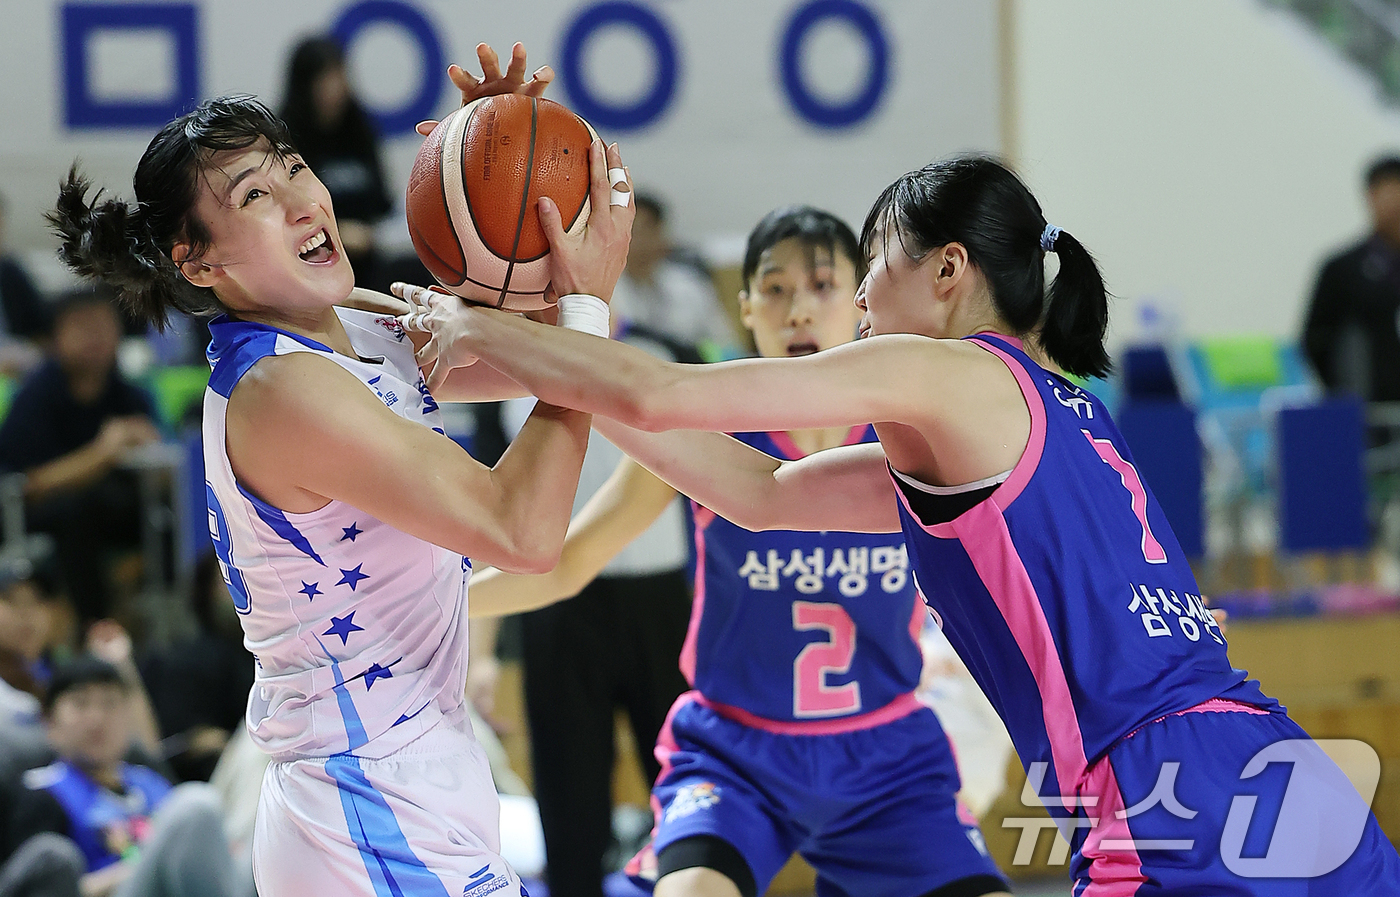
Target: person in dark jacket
[{"x": 1352, "y": 333}]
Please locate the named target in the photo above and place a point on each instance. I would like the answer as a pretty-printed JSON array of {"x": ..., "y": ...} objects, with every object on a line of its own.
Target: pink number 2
[
  {"x": 811, "y": 696},
  {"x": 1152, "y": 550}
]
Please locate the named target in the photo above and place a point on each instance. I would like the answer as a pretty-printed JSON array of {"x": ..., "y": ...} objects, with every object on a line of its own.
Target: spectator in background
[
  {"x": 336, "y": 137},
  {"x": 138, "y": 836},
  {"x": 71, "y": 422},
  {"x": 667, "y": 297},
  {"x": 24, "y": 318},
  {"x": 27, "y": 593},
  {"x": 199, "y": 686},
  {"x": 1352, "y": 334}
]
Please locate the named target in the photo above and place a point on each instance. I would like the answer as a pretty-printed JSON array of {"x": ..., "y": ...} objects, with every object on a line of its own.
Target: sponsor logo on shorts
[
  {"x": 690, "y": 798},
  {"x": 484, "y": 881}
]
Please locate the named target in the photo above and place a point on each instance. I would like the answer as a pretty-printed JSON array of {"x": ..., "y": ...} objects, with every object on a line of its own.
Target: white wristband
[{"x": 585, "y": 313}]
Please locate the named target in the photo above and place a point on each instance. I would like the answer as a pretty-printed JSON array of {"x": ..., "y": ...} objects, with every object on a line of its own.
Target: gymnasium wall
[
  {"x": 727, "y": 107},
  {"x": 1208, "y": 151}
]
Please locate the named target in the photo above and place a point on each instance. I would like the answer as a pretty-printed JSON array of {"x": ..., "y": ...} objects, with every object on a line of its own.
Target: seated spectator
[
  {"x": 138, "y": 836},
  {"x": 199, "y": 686},
  {"x": 337, "y": 138},
  {"x": 667, "y": 297},
  {"x": 70, "y": 425},
  {"x": 24, "y": 318}
]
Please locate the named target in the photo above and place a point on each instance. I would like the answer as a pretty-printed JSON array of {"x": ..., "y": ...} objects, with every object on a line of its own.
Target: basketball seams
[{"x": 524, "y": 200}]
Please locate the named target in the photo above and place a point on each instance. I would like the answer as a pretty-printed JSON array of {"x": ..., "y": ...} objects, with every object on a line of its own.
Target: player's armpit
[{"x": 301, "y": 431}]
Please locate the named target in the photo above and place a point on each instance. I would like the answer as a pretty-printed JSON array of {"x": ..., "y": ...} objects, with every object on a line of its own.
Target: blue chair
[
  {"x": 1167, "y": 453},
  {"x": 1322, "y": 477}
]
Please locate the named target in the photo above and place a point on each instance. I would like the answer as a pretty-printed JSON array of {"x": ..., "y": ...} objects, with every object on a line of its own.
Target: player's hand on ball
[
  {"x": 492, "y": 82},
  {"x": 592, "y": 261}
]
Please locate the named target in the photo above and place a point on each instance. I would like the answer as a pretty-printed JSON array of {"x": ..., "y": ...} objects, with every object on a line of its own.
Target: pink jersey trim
[
  {"x": 789, "y": 448},
  {"x": 703, "y": 518},
  {"x": 1025, "y": 468},
  {"x": 1115, "y": 868},
  {"x": 899, "y": 708},
  {"x": 1213, "y": 705},
  {"x": 643, "y": 865},
  {"x": 985, "y": 538}
]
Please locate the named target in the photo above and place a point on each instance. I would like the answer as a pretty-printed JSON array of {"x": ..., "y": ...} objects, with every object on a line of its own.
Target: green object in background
[
  {"x": 176, "y": 390},
  {"x": 8, "y": 387},
  {"x": 1242, "y": 362}
]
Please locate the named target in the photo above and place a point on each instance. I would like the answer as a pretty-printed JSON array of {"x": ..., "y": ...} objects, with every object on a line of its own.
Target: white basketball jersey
[{"x": 359, "y": 629}]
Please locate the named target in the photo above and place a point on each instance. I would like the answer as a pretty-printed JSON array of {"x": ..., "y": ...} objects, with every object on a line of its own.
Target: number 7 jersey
[
  {"x": 802, "y": 632},
  {"x": 1065, "y": 591}
]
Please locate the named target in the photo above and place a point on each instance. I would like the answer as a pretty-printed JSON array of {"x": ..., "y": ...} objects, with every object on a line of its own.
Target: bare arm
[
  {"x": 621, "y": 510},
  {"x": 476, "y": 383},
  {"x": 86, "y": 465},
  {"x": 302, "y": 430},
  {"x": 848, "y": 385},
  {"x": 846, "y": 488}
]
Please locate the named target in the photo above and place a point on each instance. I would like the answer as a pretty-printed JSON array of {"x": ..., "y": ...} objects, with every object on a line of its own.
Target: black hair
[
  {"x": 651, "y": 203},
  {"x": 978, "y": 202},
  {"x": 1382, "y": 169},
  {"x": 34, "y": 561},
  {"x": 78, "y": 672},
  {"x": 354, "y": 132},
  {"x": 814, "y": 228},
  {"x": 128, "y": 246}
]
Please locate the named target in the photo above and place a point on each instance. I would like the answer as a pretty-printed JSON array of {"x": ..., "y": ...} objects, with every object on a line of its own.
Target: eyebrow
[{"x": 233, "y": 184}]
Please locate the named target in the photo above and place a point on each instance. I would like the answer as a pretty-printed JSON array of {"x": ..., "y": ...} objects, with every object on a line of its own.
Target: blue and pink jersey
[
  {"x": 802, "y": 632},
  {"x": 1065, "y": 592}
]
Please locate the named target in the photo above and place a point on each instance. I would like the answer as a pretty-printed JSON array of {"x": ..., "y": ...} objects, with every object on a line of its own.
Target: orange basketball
[{"x": 473, "y": 196}]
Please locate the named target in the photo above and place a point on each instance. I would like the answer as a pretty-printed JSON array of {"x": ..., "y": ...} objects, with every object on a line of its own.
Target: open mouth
[
  {"x": 802, "y": 348},
  {"x": 318, "y": 248}
]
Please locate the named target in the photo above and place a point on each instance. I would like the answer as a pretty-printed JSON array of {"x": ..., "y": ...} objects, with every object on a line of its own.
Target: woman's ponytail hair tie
[{"x": 1048, "y": 238}]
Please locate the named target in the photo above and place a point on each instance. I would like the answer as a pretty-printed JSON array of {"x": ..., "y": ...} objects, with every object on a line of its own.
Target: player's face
[
  {"x": 897, "y": 293},
  {"x": 275, "y": 245},
  {"x": 800, "y": 300},
  {"x": 91, "y": 724}
]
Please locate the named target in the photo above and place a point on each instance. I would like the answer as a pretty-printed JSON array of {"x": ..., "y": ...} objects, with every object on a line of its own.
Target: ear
[
  {"x": 196, "y": 272},
  {"x": 953, "y": 264},
  {"x": 745, "y": 309}
]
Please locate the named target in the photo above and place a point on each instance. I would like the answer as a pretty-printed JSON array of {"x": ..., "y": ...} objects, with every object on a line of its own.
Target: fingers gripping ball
[{"x": 474, "y": 192}]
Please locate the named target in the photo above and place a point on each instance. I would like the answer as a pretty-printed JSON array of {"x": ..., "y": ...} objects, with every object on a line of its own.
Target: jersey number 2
[
  {"x": 811, "y": 696},
  {"x": 1152, "y": 550}
]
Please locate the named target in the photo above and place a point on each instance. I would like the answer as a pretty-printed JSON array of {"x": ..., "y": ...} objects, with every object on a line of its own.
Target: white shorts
[{"x": 423, "y": 821}]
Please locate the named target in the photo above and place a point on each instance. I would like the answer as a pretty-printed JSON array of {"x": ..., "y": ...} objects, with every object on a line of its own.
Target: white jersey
[{"x": 359, "y": 629}]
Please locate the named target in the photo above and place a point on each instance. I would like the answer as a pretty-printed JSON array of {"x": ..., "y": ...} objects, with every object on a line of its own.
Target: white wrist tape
[{"x": 585, "y": 313}]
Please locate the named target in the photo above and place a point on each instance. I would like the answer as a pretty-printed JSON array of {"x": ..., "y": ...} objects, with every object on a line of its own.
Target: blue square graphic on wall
[{"x": 128, "y": 65}]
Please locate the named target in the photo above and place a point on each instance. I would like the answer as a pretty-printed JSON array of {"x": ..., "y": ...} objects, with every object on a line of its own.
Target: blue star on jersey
[
  {"x": 343, "y": 626},
  {"x": 310, "y": 590},
  {"x": 350, "y": 531},
  {"x": 375, "y": 672},
  {"x": 352, "y": 578}
]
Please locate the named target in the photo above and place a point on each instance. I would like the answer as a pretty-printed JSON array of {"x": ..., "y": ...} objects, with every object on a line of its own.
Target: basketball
[{"x": 474, "y": 190}]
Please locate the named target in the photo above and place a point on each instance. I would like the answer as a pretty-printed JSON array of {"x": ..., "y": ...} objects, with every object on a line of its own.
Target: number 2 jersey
[
  {"x": 802, "y": 632},
  {"x": 358, "y": 628},
  {"x": 1064, "y": 590}
]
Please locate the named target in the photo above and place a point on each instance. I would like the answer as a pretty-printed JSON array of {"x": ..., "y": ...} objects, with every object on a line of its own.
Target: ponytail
[
  {"x": 129, "y": 246},
  {"x": 109, "y": 240},
  {"x": 1076, "y": 312},
  {"x": 978, "y": 202}
]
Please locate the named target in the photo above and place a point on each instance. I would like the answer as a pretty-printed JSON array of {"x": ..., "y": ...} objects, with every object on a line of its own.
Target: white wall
[
  {"x": 1207, "y": 150},
  {"x": 729, "y": 149}
]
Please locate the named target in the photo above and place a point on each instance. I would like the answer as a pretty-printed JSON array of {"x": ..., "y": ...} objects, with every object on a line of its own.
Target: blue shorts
[
  {"x": 1182, "y": 810},
  {"x": 874, "y": 811}
]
